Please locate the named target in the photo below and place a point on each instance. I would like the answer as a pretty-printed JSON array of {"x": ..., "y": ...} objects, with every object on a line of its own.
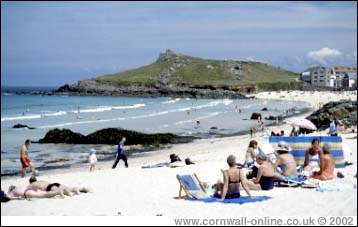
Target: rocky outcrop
[
  {"x": 92, "y": 87},
  {"x": 273, "y": 118},
  {"x": 63, "y": 136},
  {"x": 112, "y": 136},
  {"x": 22, "y": 126},
  {"x": 255, "y": 116},
  {"x": 344, "y": 111}
]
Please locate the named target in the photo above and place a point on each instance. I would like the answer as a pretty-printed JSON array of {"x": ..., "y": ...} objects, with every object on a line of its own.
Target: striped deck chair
[
  {"x": 300, "y": 144},
  {"x": 192, "y": 187}
]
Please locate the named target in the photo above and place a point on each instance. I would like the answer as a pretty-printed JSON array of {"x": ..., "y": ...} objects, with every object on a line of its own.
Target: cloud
[{"x": 324, "y": 54}]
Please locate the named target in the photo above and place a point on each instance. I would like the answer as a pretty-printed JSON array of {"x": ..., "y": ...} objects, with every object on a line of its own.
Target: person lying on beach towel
[
  {"x": 174, "y": 162},
  {"x": 48, "y": 187},
  {"x": 232, "y": 178},
  {"x": 15, "y": 192}
]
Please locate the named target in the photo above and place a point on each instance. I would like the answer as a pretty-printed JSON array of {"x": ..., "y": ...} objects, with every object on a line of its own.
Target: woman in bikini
[
  {"x": 285, "y": 160},
  {"x": 232, "y": 179},
  {"x": 31, "y": 192},
  {"x": 47, "y": 186}
]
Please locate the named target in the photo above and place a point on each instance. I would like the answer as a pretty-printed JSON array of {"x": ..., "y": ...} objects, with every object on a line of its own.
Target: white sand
[
  {"x": 137, "y": 191},
  {"x": 315, "y": 98}
]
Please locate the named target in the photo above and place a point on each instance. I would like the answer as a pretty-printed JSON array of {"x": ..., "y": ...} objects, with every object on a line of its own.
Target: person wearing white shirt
[{"x": 92, "y": 159}]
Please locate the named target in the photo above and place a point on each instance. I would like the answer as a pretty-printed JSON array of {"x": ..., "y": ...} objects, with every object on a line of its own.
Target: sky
[{"x": 54, "y": 43}]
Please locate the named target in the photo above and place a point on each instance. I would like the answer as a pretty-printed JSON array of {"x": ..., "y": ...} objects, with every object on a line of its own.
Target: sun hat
[{"x": 283, "y": 146}]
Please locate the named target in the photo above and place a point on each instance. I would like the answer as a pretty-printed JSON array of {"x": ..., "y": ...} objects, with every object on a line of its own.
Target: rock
[
  {"x": 63, "y": 136},
  {"x": 264, "y": 109},
  {"x": 273, "y": 118},
  {"x": 255, "y": 116},
  {"x": 344, "y": 111},
  {"x": 112, "y": 136},
  {"x": 214, "y": 128},
  {"x": 22, "y": 126}
]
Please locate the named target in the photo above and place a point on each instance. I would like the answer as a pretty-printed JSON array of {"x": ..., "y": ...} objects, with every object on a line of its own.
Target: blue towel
[{"x": 241, "y": 200}]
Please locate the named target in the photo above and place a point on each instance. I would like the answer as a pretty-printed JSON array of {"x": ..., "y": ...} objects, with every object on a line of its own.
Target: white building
[
  {"x": 320, "y": 76},
  {"x": 335, "y": 77},
  {"x": 341, "y": 71}
]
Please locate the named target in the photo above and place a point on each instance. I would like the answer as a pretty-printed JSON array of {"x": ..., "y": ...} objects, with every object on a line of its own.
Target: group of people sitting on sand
[
  {"x": 264, "y": 172},
  {"x": 40, "y": 189}
]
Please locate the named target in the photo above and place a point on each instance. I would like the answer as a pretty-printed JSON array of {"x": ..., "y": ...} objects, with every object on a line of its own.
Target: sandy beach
[{"x": 150, "y": 192}]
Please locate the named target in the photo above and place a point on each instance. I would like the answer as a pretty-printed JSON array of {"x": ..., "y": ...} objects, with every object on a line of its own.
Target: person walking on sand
[
  {"x": 120, "y": 153},
  {"x": 25, "y": 159}
]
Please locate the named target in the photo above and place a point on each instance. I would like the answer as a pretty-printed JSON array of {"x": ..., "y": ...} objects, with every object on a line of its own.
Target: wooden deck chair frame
[{"x": 186, "y": 192}]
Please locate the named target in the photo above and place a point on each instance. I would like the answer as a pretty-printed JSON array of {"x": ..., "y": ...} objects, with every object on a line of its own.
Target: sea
[{"x": 203, "y": 118}]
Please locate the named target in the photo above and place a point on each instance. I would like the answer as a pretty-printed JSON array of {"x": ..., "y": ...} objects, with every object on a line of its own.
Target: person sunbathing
[
  {"x": 265, "y": 175},
  {"x": 47, "y": 186},
  {"x": 285, "y": 160},
  {"x": 232, "y": 178},
  {"x": 327, "y": 164},
  {"x": 15, "y": 192}
]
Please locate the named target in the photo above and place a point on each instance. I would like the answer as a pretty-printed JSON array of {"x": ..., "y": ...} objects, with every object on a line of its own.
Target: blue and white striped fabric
[{"x": 300, "y": 144}]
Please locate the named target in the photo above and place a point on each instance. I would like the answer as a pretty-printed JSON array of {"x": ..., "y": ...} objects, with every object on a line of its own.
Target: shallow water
[{"x": 184, "y": 116}]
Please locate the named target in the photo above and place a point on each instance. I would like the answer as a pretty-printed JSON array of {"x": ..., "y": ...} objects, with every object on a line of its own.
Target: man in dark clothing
[{"x": 120, "y": 153}]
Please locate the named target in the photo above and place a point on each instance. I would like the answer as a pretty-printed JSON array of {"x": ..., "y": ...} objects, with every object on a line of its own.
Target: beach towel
[
  {"x": 295, "y": 179},
  {"x": 157, "y": 165},
  {"x": 241, "y": 200},
  {"x": 291, "y": 181},
  {"x": 332, "y": 186}
]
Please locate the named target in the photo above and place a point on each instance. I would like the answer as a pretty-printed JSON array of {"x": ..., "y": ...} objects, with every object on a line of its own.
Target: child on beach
[{"x": 92, "y": 159}]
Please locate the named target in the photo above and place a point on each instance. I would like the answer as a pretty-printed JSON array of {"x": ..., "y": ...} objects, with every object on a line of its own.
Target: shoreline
[
  {"x": 280, "y": 96},
  {"x": 145, "y": 151}
]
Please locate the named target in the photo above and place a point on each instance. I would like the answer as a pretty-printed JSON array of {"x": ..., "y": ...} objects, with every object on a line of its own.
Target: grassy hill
[{"x": 172, "y": 69}]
